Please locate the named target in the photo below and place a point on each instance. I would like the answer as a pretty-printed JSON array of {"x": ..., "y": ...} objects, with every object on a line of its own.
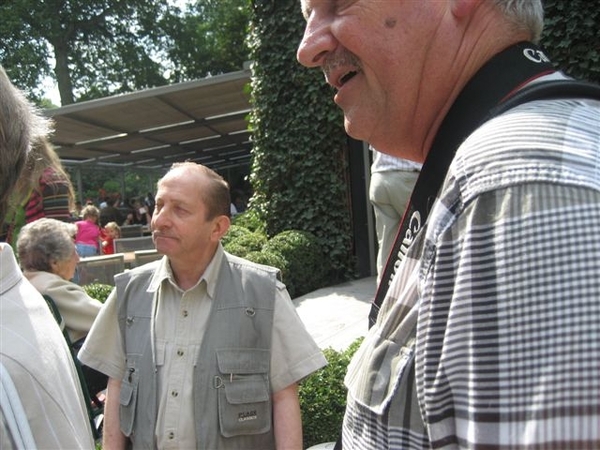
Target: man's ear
[
  {"x": 220, "y": 227},
  {"x": 464, "y": 8}
]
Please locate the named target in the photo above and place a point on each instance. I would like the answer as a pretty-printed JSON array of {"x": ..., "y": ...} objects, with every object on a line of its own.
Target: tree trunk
[{"x": 63, "y": 75}]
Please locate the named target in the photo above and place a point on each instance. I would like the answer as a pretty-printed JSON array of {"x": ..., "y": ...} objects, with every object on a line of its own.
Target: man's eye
[{"x": 341, "y": 5}]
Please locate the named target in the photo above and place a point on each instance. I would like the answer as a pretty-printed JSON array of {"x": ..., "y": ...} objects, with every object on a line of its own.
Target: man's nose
[
  {"x": 316, "y": 42},
  {"x": 159, "y": 219}
]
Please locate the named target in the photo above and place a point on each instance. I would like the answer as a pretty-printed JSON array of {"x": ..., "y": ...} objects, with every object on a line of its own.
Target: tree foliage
[
  {"x": 210, "y": 39},
  {"x": 96, "y": 48},
  {"x": 99, "y": 47},
  {"x": 299, "y": 171}
]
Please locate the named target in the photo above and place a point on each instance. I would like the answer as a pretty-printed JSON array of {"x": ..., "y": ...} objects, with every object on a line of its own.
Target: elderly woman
[{"x": 48, "y": 258}]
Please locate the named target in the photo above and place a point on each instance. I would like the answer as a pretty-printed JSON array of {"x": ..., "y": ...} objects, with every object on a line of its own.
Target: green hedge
[
  {"x": 234, "y": 232},
  {"x": 306, "y": 264},
  {"x": 323, "y": 398},
  {"x": 297, "y": 254},
  {"x": 270, "y": 259},
  {"x": 250, "y": 242},
  {"x": 98, "y": 291},
  {"x": 250, "y": 219}
]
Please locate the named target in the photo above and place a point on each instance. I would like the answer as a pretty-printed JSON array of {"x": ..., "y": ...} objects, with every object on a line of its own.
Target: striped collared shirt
[
  {"x": 383, "y": 162},
  {"x": 489, "y": 336}
]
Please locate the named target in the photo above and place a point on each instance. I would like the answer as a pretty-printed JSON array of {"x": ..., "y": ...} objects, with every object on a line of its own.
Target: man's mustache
[{"x": 337, "y": 59}]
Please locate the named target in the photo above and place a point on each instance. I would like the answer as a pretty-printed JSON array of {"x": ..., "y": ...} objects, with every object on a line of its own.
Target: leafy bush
[
  {"x": 235, "y": 231},
  {"x": 236, "y": 249},
  {"x": 297, "y": 254},
  {"x": 98, "y": 291},
  {"x": 323, "y": 397},
  {"x": 250, "y": 219},
  {"x": 306, "y": 264},
  {"x": 250, "y": 242},
  {"x": 269, "y": 259}
]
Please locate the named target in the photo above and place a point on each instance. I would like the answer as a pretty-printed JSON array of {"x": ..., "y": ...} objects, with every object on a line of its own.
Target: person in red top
[
  {"x": 43, "y": 190},
  {"x": 110, "y": 232},
  {"x": 53, "y": 196}
]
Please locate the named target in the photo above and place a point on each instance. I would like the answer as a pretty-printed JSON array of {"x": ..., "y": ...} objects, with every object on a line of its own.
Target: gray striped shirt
[{"x": 489, "y": 336}]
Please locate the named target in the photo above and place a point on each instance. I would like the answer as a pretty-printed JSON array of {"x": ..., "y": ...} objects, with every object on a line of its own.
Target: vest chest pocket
[{"x": 244, "y": 398}]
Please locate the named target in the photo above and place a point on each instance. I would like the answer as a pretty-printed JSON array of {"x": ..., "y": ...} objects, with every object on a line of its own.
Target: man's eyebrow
[
  {"x": 307, "y": 7},
  {"x": 306, "y": 11}
]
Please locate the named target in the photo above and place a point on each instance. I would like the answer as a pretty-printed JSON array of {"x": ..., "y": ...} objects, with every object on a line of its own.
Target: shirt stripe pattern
[{"x": 498, "y": 299}]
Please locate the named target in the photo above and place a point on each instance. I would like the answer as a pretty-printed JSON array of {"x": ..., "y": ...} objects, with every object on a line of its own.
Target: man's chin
[
  {"x": 164, "y": 244},
  {"x": 353, "y": 130}
]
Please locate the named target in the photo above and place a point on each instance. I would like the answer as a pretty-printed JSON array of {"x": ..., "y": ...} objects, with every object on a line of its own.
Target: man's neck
[
  {"x": 186, "y": 277},
  {"x": 187, "y": 272}
]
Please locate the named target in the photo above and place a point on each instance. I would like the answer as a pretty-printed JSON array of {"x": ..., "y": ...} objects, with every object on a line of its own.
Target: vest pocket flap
[
  {"x": 247, "y": 389},
  {"x": 244, "y": 406},
  {"x": 128, "y": 401},
  {"x": 243, "y": 360},
  {"x": 126, "y": 394}
]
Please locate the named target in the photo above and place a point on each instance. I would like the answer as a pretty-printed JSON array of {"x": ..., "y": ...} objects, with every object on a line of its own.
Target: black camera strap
[{"x": 496, "y": 81}]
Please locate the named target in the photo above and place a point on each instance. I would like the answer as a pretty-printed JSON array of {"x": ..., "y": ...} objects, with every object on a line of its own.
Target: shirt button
[
  {"x": 171, "y": 435},
  {"x": 184, "y": 313},
  {"x": 174, "y": 393},
  {"x": 179, "y": 352}
]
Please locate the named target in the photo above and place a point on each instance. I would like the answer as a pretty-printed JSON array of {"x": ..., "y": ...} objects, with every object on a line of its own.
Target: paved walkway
[{"x": 335, "y": 316}]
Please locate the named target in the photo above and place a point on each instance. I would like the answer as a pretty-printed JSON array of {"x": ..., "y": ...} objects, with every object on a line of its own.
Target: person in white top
[
  {"x": 42, "y": 403},
  {"x": 392, "y": 182}
]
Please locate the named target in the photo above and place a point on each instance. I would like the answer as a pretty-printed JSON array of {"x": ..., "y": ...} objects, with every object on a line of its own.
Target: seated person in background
[
  {"x": 110, "y": 232},
  {"x": 129, "y": 219},
  {"x": 233, "y": 210},
  {"x": 76, "y": 213},
  {"x": 238, "y": 201},
  {"x": 48, "y": 259},
  {"x": 141, "y": 214},
  {"x": 150, "y": 203},
  {"x": 110, "y": 213},
  {"x": 88, "y": 232}
]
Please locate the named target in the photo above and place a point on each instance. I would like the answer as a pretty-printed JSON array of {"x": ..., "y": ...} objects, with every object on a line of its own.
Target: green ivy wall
[
  {"x": 300, "y": 166},
  {"x": 299, "y": 171},
  {"x": 571, "y": 37}
]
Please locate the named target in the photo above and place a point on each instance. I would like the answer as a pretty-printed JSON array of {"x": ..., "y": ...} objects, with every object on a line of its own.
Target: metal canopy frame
[{"x": 202, "y": 120}]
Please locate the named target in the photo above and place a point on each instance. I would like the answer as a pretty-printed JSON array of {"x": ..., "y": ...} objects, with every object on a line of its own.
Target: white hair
[
  {"x": 20, "y": 125},
  {"x": 526, "y": 15}
]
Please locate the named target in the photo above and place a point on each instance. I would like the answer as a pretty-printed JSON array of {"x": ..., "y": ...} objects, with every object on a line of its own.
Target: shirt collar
[{"x": 210, "y": 276}]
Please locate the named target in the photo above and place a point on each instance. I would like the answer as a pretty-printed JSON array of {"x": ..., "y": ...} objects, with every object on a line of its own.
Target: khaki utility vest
[{"x": 232, "y": 398}]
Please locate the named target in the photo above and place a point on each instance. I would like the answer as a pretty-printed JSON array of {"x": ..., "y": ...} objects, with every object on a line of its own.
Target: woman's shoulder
[{"x": 44, "y": 281}]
